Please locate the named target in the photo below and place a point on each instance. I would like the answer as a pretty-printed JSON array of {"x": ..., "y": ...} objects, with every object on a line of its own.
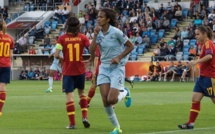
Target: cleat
[
  {"x": 132, "y": 84},
  {"x": 71, "y": 127},
  {"x": 127, "y": 98},
  {"x": 86, "y": 123},
  {"x": 185, "y": 126},
  {"x": 116, "y": 131},
  {"x": 49, "y": 90}
]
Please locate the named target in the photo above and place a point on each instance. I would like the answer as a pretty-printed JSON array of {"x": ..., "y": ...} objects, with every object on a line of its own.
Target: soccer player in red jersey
[
  {"x": 205, "y": 84},
  {"x": 93, "y": 87},
  {"x": 6, "y": 53},
  {"x": 73, "y": 69}
]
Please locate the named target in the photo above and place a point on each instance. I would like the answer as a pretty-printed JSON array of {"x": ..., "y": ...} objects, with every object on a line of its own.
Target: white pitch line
[{"x": 175, "y": 131}]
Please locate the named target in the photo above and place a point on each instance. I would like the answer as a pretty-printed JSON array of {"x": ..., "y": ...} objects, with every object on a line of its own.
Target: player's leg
[
  {"x": 80, "y": 82},
  {"x": 92, "y": 90},
  {"x": 68, "y": 88},
  {"x": 4, "y": 79},
  {"x": 2, "y": 96},
  {"x": 104, "y": 91},
  {"x": 103, "y": 80},
  {"x": 50, "y": 81},
  {"x": 198, "y": 94}
]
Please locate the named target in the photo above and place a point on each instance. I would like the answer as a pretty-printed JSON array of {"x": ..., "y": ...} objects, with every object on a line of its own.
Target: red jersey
[
  {"x": 97, "y": 53},
  {"x": 207, "y": 69},
  {"x": 73, "y": 48},
  {"x": 6, "y": 44}
]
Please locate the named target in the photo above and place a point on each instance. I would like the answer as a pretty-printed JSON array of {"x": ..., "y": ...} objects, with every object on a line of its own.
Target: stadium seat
[
  {"x": 173, "y": 22},
  {"x": 32, "y": 7},
  {"x": 186, "y": 49},
  {"x": 54, "y": 24},
  {"x": 161, "y": 33},
  {"x": 154, "y": 38},
  {"x": 16, "y": 15},
  {"x": 186, "y": 42},
  {"x": 133, "y": 57},
  {"x": 31, "y": 40},
  {"x": 185, "y": 12},
  {"x": 47, "y": 23},
  {"x": 145, "y": 33},
  {"x": 152, "y": 32},
  {"x": 43, "y": 7},
  {"x": 8, "y": 20},
  {"x": 26, "y": 7},
  {"x": 185, "y": 57},
  {"x": 140, "y": 49}
]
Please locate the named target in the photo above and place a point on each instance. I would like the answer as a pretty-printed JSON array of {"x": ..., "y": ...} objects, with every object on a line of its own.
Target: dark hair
[
  {"x": 3, "y": 26},
  {"x": 207, "y": 30},
  {"x": 110, "y": 14},
  {"x": 72, "y": 25}
]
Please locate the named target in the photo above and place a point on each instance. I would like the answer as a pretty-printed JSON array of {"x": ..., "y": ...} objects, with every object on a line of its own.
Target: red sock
[
  {"x": 83, "y": 105},
  {"x": 194, "y": 111},
  {"x": 91, "y": 93},
  {"x": 2, "y": 100},
  {"x": 71, "y": 112}
]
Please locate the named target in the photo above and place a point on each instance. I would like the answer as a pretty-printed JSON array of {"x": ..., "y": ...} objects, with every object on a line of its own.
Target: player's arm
[
  {"x": 95, "y": 64},
  {"x": 11, "y": 53},
  {"x": 204, "y": 59},
  {"x": 94, "y": 44},
  {"x": 57, "y": 51},
  {"x": 208, "y": 54},
  {"x": 128, "y": 48}
]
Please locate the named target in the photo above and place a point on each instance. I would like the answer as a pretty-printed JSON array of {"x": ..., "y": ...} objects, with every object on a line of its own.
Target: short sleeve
[{"x": 121, "y": 37}]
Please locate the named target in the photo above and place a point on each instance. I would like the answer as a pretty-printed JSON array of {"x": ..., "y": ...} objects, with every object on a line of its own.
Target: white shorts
[
  {"x": 113, "y": 75},
  {"x": 56, "y": 67}
]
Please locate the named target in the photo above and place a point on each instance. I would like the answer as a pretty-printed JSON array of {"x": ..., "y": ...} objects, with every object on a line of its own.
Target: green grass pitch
[{"x": 157, "y": 108}]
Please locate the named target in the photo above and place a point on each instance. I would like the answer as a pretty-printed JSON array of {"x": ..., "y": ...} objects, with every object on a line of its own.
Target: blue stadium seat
[
  {"x": 161, "y": 33},
  {"x": 8, "y": 20},
  {"x": 145, "y": 33},
  {"x": 26, "y": 7},
  {"x": 185, "y": 12},
  {"x": 54, "y": 24},
  {"x": 32, "y": 7},
  {"x": 173, "y": 22},
  {"x": 185, "y": 57},
  {"x": 152, "y": 32},
  {"x": 47, "y": 23},
  {"x": 154, "y": 38},
  {"x": 140, "y": 49},
  {"x": 43, "y": 7},
  {"x": 133, "y": 56},
  {"x": 185, "y": 50}
]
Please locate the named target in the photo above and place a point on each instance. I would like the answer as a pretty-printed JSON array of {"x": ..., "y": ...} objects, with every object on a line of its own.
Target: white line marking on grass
[{"x": 176, "y": 131}]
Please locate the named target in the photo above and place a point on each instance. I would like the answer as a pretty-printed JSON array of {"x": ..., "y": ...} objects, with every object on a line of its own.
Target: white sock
[
  {"x": 122, "y": 94},
  {"x": 50, "y": 82},
  {"x": 112, "y": 116}
]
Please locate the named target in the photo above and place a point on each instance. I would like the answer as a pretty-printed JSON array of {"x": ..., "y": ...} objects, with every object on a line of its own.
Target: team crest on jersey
[
  {"x": 208, "y": 51},
  {"x": 99, "y": 39}
]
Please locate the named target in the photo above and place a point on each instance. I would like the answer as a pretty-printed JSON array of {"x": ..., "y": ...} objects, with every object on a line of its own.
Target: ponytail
[{"x": 3, "y": 26}]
